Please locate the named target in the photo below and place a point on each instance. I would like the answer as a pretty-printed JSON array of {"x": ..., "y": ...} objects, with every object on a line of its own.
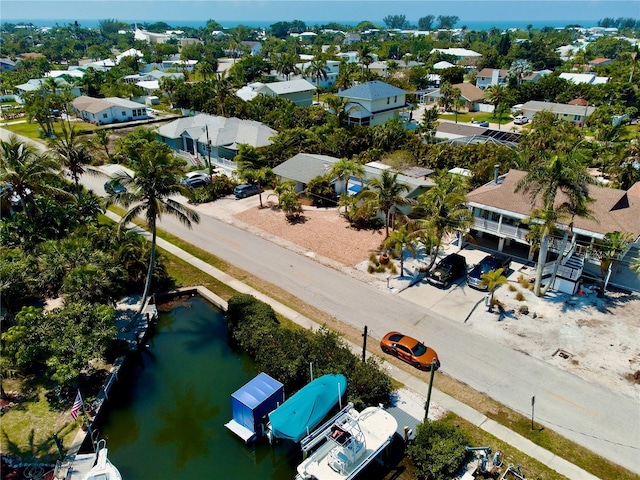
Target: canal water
[{"x": 166, "y": 416}]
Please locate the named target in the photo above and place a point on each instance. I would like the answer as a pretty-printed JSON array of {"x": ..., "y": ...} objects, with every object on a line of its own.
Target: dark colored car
[
  {"x": 488, "y": 263},
  {"x": 449, "y": 269},
  {"x": 245, "y": 190},
  {"x": 410, "y": 350},
  {"x": 112, "y": 187}
]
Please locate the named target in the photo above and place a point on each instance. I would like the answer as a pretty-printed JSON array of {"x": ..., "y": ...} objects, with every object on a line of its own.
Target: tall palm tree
[
  {"x": 286, "y": 64},
  {"x": 72, "y": 151},
  {"x": 441, "y": 210},
  {"x": 251, "y": 168},
  {"x": 458, "y": 102},
  {"x": 345, "y": 169},
  {"x": 27, "y": 172},
  {"x": 611, "y": 247},
  {"x": 155, "y": 181},
  {"x": 384, "y": 194},
  {"x": 317, "y": 71},
  {"x": 364, "y": 55},
  {"x": 560, "y": 173},
  {"x": 495, "y": 94}
]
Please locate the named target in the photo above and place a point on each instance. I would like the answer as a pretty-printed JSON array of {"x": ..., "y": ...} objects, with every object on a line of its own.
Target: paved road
[
  {"x": 584, "y": 412},
  {"x": 588, "y": 414}
]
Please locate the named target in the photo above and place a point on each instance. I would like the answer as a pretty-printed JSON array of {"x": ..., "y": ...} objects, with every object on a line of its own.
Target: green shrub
[
  {"x": 512, "y": 288},
  {"x": 439, "y": 449},
  {"x": 520, "y": 296},
  {"x": 286, "y": 354}
]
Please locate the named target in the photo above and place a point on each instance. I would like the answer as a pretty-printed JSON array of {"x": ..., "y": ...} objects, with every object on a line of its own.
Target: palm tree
[
  {"x": 429, "y": 123},
  {"x": 27, "y": 172},
  {"x": 384, "y": 194},
  {"x": 611, "y": 247},
  {"x": 495, "y": 95},
  {"x": 441, "y": 210},
  {"x": 101, "y": 140},
  {"x": 317, "y": 71},
  {"x": 339, "y": 106},
  {"x": 458, "y": 102},
  {"x": 72, "y": 152},
  {"x": 492, "y": 280},
  {"x": 287, "y": 64},
  {"x": 364, "y": 55},
  {"x": 519, "y": 69},
  {"x": 397, "y": 242},
  {"x": 155, "y": 181},
  {"x": 547, "y": 178},
  {"x": 447, "y": 94},
  {"x": 251, "y": 168},
  {"x": 345, "y": 169}
]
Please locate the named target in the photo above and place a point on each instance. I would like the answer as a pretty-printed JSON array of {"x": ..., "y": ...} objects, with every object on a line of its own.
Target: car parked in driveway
[
  {"x": 245, "y": 190},
  {"x": 448, "y": 270},
  {"x": 196, "y": 179},
  {"x": 409, "y": 350},
  {"x": 113, "y": 187},
  {"x": 520, "y": 120},
  {"x": 488, "y": 263}
]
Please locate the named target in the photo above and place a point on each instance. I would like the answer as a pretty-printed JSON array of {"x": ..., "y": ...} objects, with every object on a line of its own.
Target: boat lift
[{"x": 320, "y": 434}]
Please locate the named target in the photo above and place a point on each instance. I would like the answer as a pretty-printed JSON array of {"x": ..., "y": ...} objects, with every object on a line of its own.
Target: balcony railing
[{"x": 509, "y": 231}]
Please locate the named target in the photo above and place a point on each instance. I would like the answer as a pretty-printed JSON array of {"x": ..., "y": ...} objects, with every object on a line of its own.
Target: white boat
[
  {"x": 352, "y": 442},
  {"x": 103, "y": 468}
]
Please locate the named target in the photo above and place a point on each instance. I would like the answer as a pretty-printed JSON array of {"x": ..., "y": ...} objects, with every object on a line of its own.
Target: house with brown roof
[
  {"x": 491, "y": 76},
  {"x": 499, "y": 214},
  {"x": 599, "y": 62},
  {"x": 471, "y": 95}
]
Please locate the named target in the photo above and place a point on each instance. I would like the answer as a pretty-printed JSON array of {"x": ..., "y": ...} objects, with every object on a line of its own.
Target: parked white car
[{"x": 520, "y": 120}]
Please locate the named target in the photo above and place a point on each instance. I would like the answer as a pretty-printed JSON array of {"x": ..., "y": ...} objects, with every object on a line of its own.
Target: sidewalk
[{"x": 449, "y": 403}]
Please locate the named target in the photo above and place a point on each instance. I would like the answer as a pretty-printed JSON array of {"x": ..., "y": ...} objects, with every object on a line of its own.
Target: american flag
[{"x": 76, "y": 406}]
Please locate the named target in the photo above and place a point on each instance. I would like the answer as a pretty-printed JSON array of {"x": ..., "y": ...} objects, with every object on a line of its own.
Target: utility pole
[
  {"x": 364, "y": 344},
  {"x": 426, "y": 406},
  {"x": 533, "y": 402},
  {"x": 209, "y": 153}
]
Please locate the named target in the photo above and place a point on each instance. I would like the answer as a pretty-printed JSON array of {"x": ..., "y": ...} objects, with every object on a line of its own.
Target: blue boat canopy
[
  {"x": 307, "y": 407},
  {"x": 251, "y": 403}
]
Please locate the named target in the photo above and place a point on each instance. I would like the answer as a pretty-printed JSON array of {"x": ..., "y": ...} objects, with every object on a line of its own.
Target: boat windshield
[{"x": 419, "y": 350}]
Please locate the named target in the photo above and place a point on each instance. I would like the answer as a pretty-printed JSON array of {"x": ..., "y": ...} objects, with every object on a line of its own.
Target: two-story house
[
  {"x": 373, "y": 103},
  {"x": 499, "y": 214}
]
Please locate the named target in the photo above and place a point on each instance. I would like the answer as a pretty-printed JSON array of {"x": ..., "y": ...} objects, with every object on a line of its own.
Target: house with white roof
[
  {"x": 460, "y": 53},
  {"x": 150, "y": 37},
  {"x": 562, "y": 111},
  {"x": 588, "y": 78},
  {"x": 299, "y": 91},
  {"x": 373, "y": 103},
  {"x": 203, "y": 136},
  {"x": 105, "y": 111},
  {"x": 442, "y": 65}
]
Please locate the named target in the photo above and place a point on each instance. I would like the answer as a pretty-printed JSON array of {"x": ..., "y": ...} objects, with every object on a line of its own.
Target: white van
[{"x": 520, "y": 120}]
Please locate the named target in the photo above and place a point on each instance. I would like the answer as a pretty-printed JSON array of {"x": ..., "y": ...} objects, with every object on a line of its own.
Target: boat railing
[
  {"x": 368, "y": 459},
  {"x": 320, "y": 434}
]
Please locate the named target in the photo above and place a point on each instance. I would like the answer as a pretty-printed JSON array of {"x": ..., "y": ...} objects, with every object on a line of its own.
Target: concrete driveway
[{"x": 459, "y": 300}]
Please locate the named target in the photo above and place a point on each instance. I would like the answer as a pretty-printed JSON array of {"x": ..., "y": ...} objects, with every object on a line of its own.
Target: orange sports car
[{"x": 410, "y": 350}]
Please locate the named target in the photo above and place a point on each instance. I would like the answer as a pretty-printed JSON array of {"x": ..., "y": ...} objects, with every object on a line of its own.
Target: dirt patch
[
  {"x": 323, "y": 232},
  {"x": 583, "y": 334}
]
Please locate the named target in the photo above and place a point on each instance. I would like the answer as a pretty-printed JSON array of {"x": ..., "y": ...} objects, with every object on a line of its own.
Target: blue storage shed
[{"x": 251, "y": 403}]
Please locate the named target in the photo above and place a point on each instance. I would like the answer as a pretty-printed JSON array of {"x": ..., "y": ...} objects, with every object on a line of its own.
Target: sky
[{"x": 172, "y": 11}]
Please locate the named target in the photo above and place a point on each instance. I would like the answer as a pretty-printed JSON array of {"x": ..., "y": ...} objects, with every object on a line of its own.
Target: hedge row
[{"x": 286, "y": 354}]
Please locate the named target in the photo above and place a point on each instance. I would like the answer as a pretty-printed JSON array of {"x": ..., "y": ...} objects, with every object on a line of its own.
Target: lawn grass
[
  {"x": 28, "y": 427},
  {"x": 32, "y": 129}
]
